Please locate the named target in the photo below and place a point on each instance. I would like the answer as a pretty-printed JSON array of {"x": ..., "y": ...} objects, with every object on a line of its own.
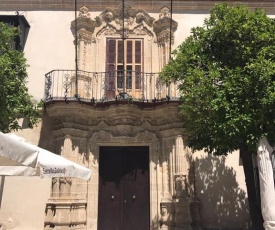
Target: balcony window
[{"x": 124, "y": 64}]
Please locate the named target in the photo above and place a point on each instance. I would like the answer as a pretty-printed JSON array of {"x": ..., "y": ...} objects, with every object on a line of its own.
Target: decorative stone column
[
  {"x": 181, "y": 195},
  {"x": 65, "y": 186},
  {"x": 68, "y": 205},
  {"x": 164, "y": 28},
  {"x": 166, "y": 195}
]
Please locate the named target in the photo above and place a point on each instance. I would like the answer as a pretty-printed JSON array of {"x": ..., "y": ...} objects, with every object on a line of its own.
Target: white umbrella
[
  {"x": 19, "y": 158},
  {"x": 266, "y": 178}
]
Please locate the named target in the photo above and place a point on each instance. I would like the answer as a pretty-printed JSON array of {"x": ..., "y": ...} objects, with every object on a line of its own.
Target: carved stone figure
[{"x": 166, "y": 222}]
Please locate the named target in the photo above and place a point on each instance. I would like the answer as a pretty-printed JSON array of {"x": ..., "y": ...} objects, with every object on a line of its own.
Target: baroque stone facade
[
  {"x": 120, "y": 125},
  {"x": 79, "y": 130}
]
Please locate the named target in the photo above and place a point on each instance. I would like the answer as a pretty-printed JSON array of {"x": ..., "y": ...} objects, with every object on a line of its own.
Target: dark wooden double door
[{"x": 123, "y": 188}]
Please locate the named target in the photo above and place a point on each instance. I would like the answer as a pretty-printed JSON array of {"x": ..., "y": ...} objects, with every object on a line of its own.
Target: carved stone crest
[{"x": 125, "y": 21}]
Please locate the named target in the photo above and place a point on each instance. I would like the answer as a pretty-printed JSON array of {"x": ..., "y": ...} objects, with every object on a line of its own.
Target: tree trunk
[{"x": 254, "y": 205}]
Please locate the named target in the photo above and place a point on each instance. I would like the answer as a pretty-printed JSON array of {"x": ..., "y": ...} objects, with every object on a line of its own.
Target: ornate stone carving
[
  {"x": 163, "y": 26},
  {"x": 65, "y": 186},
  {"x": 115, "y": 21},
  {"x": 167, "y": 212},
  {"x": 101, "y": 136},
  {"x": 146, "y": 136},
  {"x": 123, "y": 121},
  {"x": 84, "y": 36},
  {"x": 149, "y": 120},
  {"x": 84, "y": 12},
  {"x": 165, "y": 12},
  {"x": 55, "y": 187},
  {"x": 64, "y": 214},
  {"x": 180, "y": 185},
  {"x": 84, "y": 21}
]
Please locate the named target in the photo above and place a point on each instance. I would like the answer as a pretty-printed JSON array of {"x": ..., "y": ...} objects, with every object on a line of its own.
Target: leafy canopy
[
  {"x": 226, "y": 75},
  {"x": 15, "y": 101}
]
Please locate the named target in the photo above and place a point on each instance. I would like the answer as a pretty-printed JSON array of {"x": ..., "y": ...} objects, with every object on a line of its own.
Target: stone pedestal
[
  {"x": 166, "y": 220},
  {"x": 60, "y": 214},
  {"x": 182, "y": 204}
]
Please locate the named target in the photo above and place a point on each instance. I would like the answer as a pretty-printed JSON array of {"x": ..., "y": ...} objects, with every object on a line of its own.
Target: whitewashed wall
[{"x": 50, "y": 43}]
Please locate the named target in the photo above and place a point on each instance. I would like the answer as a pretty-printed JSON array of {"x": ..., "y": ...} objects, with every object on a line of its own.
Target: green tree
[
  {"x": 15, "y": 101},
  {"x": 226, "y": 75}
]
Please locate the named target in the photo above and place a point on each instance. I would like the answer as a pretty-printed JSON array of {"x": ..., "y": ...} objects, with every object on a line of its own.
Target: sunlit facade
[{"x": 96, "y": 65}]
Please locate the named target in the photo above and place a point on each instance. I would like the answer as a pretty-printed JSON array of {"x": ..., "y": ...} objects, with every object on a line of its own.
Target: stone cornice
[
  {"x": 150, "y": 6},
  {"x": 79, "y": 120}
]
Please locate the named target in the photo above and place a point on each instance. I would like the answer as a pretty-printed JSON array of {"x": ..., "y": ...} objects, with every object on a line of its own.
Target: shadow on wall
[{"x": 223, "y": 204}]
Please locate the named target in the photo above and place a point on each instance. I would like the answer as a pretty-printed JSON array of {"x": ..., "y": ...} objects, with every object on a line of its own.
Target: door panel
[
  {"x": 110, "y": 210},
  {"x": 136, "y": 208},
  {"x": 124, "y": 188}
]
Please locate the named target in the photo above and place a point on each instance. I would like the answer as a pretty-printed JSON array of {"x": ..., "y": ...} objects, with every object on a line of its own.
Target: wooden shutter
[
  {"x": 138, "y": 64},
  {"x": 124, "y": 69},
  {"x": 120, "y": 50},
  {"x": 129, "y": 52},
  {"x": 138, "y": 52},
  {"x": 110, "y": 68}
]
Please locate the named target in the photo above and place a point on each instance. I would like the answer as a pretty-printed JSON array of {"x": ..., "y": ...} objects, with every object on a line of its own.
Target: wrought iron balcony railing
[{"x": 107, "y": 86}]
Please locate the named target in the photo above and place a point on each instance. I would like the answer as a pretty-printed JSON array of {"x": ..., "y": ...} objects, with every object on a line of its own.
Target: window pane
[
  {"x": 138, "y": 52},
  {"x": 138, "y": 76},
  {"x": 120, "y": 50},
  {"x": 120, "y": 76},
  {"x": 129, "y": 77},
  {"x": 111, "y": 54},
  {"x": 129, "y": 51},
  {"x": 110, "y": 67},
  {"x": 125, "y": 75}
]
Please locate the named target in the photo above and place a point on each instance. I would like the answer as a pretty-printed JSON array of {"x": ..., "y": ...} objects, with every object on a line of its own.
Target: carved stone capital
[
  {"x": 163, "y": 26},
  {"x": 85, "y": 36},
  {"x": 84, "y": 12}
]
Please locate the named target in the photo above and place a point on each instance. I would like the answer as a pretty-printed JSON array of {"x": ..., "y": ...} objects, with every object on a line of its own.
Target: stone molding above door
[
  {"x": 136, "y": 21},
  {"x": 91, "y": 35}
]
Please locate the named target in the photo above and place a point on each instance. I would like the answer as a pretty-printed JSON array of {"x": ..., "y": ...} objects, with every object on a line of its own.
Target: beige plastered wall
[
  {"x": 221, "y": 189},
  {"x": 50, "y": 42},
  {"x": 23, "y": 202},
  {"x": 23, "y": 199}
]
